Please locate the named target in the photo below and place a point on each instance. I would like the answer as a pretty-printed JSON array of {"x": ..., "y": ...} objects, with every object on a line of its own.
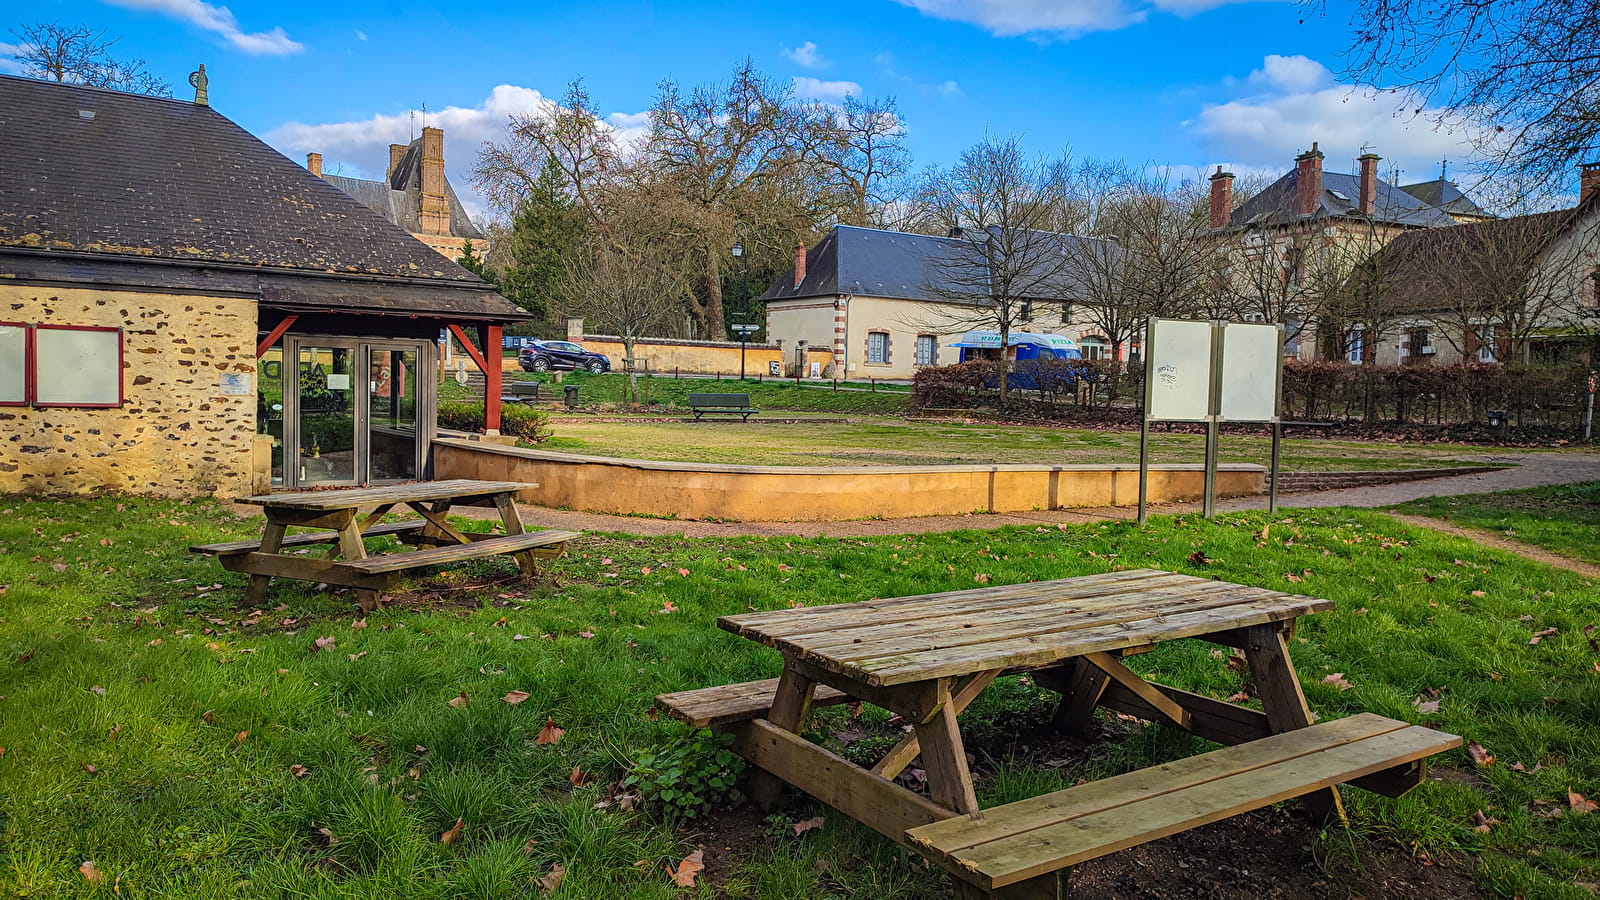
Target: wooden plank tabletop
[
  {"x": 895, "y": 641},
  {"x": 350, "y": 498}
]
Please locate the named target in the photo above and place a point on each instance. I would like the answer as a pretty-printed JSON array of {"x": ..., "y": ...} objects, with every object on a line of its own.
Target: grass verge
[{"x": 1563, "y": 519}]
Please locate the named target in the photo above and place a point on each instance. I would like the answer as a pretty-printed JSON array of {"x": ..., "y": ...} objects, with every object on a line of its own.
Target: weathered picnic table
[
  {"x": 927, "y": 657},
  {"x": 440, "y": 542}
]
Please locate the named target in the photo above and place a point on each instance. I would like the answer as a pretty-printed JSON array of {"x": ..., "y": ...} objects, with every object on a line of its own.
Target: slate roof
[
  {"x": 1278, "y": 203},
  {"x": 107, "y": 174},
  {"x": 878, "y": 263},
  {"x": 399, "y": 199},
  {"x": 1446, "y": 196}
]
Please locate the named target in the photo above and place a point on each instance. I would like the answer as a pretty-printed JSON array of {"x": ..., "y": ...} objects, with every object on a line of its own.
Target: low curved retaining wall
[{"x": 813, "y": 494}]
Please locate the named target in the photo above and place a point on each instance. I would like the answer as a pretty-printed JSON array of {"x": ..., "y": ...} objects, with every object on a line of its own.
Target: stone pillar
[
  {"x": 435, "y": 205},
  {"x": 396, "y": 153}
]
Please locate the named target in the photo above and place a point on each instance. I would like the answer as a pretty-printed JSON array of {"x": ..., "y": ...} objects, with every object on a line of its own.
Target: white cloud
[
  {"x": 1054, "y": 18},
  {"x": 219, "y": 19},
  {"x": 360, "y": 148},
  {"x": 949, "y": 89},
  {"x": 1299, "y": 104},
  {"x": 806, "y": 56},
  {"x": 361, "y": 35},
  {"x": 817, "y": 89},
  {"x": 9, "y": 64}
]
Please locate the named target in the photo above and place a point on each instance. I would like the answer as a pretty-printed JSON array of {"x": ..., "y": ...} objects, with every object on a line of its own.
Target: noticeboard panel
[
  {"x": 1251, "y": 355},
  {"x": 1179, "y": 371}
]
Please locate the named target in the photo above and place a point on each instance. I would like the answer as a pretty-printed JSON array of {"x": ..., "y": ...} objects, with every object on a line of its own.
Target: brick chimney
[
  {"x": 1588, "y": 180},
  {"x": 396, "y": 151},
  {"x": 799, "y": 265},
  {"x": 435, "y": 205},
  {"x": 1368, "y": 203},
  {"x": 1221, "y": 198},
  {"x": 314, "y": 163},
  {"x": 1308, "y": 181}
]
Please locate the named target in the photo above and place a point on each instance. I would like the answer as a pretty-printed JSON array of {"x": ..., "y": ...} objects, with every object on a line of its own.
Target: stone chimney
[
  {"x": 1308, "y": 181},
  {"x": 1588, "y": 180},
  {"x": 1221, "y": 198},
  {"x": 435, "y": 205},
  {"x": 396, "y": 151},
  {"x": 314, "y": 163},
  {"x": 1368, "y": 203},
  {"x": 799, "y": 265}
]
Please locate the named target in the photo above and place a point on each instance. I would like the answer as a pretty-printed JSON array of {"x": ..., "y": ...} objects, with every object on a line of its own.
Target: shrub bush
[{"x": 516, "y": 419}]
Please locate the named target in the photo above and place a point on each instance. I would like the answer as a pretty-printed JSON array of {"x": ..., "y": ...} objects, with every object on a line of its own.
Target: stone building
[
  {"x": 185, "y": 311},
  {"x": 415, "y": 195}
]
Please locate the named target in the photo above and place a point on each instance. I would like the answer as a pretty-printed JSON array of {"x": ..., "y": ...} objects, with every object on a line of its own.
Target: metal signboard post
[
  {"x": 744, "y": 335},
  {"x": 1211, "y": 372}
]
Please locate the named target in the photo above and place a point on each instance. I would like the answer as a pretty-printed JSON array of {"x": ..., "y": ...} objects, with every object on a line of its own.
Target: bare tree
[
  {"x": 1524, "y": 72},
  {"x": 1003, "y": 212},
  {"x": 78, "y": 54},
  {"x": 568, "y": 136},
  {"x": 869, "y": 156}
]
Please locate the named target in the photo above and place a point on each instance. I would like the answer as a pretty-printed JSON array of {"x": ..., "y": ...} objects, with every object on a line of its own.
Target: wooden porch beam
[
  {"x": 491, "y": 374},
  {"x": 273, "y": 335}
]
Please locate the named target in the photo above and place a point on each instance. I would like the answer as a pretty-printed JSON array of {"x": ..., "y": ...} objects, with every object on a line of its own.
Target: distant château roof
[
  {"x": 399, "y": 198},
  {"x": 100, "y": 172},
  {"x": 1446, "y": 196}
]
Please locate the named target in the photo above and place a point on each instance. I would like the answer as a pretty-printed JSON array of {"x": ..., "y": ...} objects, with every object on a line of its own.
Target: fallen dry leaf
[
  {"x": 1479, "y": 755},
  {"x": 1200, "y": 558},
  {"x": 322, "y": 643},
  {"x": 1541, "y": 635},
  {"x": 689, "y": 869},
  {"x": 667, "y": 606},
  {"x": 579, "y": 778},
  {"x": 683, "y": 573},
  {"x": 358, "y": 624},
  {"x": 88, "y": 767},
  {"x": 1481, "y": 823},
  {"x": 114, "y": 732},
  {"x": 449, "y": 837},
  {"x": 240, "y": 737},
  {"x": 299, "y": 771},
  {"x": 807, "y": 825},
  {"x": 1578, "y": 805},
  {"x": 1425, "y": 706},
  {"x": 550, "y": 881},
  {"x": 96, "y": 689},
  {"x": 91, "y": 874},
  {"x": 1338, "y": 680},
  {"x": 550, "y": 733},
  {"x": 515, "y": 697},
  {"x": 460, "y": 700}
]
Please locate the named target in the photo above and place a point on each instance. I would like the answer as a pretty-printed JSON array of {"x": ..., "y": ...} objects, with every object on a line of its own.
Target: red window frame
[
  {"x": 33, "y": 375},
  {"x": 27, "y": 364}
]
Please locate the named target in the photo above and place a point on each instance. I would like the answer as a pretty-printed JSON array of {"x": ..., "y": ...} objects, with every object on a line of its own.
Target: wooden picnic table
[
  {"x": 927, "y": 657},
  {"x": 340, "y": 510}
]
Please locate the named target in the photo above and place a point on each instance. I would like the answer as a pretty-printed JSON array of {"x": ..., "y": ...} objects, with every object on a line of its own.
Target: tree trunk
[
  {"x": 716, "y": 327},
  {"x": 633, "y": 370},
  {"x": 1005, "y": 365}
]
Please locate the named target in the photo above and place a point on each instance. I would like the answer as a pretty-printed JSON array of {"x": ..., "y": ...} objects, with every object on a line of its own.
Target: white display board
[
  {"x": 1179, "y": 370},
  {"x": 13, "y": 364},
  {"x": 1251, "y": 355},
  {"x": 77, "y": 367}
]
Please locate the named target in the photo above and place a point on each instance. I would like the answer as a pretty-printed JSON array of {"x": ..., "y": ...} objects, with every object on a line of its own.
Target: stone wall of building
[{"x": 177, "y": 433}]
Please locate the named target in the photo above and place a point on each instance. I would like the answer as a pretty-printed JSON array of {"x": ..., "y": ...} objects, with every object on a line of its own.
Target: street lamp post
[
  {"x": 744, "y": 328},
  {"x": 744, "y": 335}
]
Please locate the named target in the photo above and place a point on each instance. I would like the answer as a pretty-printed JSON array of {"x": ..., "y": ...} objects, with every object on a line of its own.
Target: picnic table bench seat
[
  {"x": 722, "y": 404},
  {"x": 231, "y": 548},
  {"x": 480, "y": 547},
  {"x": 726, "y": 704},
  {"x": 526, "y": 392},
  {"x": 1034, "y": 838}
]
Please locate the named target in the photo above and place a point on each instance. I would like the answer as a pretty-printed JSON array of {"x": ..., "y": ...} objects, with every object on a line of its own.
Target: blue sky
[{"x": 1186, "y": 83}]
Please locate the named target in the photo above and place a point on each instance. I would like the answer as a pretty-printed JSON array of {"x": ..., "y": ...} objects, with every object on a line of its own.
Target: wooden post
[
  {"x": 492, "y": 376},
  {"x": 790, "y": 706},
  {"x": 271, "y": 542},
  {"x": 944, "y": 758},
  {"x": 1080, "y": 694}
]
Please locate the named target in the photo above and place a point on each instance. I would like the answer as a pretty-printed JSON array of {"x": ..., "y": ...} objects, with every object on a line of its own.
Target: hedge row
[
  {"x": 1460, "y": 394},
  {"x": 516, "y": 419}
]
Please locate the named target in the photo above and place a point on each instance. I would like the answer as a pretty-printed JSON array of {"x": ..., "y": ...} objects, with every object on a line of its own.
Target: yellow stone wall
[
  {"x": 176, "y": 434},
  {"x": 816, "y": 494},
  {"x": 700, "y": 357}
]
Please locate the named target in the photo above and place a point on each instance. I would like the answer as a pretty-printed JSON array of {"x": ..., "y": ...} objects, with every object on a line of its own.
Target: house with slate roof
[
  {"x": 1310, "y": 212},
  {"x": 415, "y": 195},
  {"x": 185, "y": 311},
  {"x": 881, "y": 300}
]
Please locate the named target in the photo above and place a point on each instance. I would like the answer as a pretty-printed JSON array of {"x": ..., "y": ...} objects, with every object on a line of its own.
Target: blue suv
[{"x": 544, "y": 356}]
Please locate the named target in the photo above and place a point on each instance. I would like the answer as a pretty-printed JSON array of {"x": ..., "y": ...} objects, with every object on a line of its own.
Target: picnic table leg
[
  {"x": 901, "y": 754},
  {"x": 437, "y": 531},
  {"x": 1044, "y": 887},
  {"x": 511, "y": 521},
  {"x": 944, "y": 758},
  {"x": 1080, "y": 689},
  {"x": 351, "y": 548},
  {"x": 790, "y": 706},
  {"x": 1285, "y": 703},
  {"x": 271, "y": 542}
]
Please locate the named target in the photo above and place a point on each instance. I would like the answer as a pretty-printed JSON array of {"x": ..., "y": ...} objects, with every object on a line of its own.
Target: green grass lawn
[
  {"x": 894, "y": 441},
  {"x": 191, "y": 748},
  {"x": 1563, "y": 518},
  {"x": 768, "y": 394}
]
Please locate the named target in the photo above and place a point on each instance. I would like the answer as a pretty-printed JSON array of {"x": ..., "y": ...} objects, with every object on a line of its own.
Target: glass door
[
  {"x": 393, "y": 439},
  {"x": 326, "y": 415}
]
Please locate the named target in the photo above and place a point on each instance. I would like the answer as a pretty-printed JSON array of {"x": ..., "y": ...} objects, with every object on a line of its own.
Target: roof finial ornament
[
  {"x": 198, "y": 80},
  {"x": 1444, "y": 166},
  {"x": 413, "y": 115}
]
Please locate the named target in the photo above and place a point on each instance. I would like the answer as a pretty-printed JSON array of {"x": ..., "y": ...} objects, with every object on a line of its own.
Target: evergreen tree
[{"x": 529, "y": 264}]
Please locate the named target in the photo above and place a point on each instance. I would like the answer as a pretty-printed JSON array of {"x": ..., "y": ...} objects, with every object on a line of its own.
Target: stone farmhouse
[
  {"x": 185, "y": 311},
  {"x": 415, "y": 195}
]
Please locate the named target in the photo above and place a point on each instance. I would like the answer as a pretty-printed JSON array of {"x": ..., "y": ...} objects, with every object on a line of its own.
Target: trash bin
[
  {"x": 571, "y": 392},
  {"x": 1497, "y": 418}
]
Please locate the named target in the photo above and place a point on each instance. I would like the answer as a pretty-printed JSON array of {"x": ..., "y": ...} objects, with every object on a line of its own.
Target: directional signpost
[{"x": 744, "y": 335}]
